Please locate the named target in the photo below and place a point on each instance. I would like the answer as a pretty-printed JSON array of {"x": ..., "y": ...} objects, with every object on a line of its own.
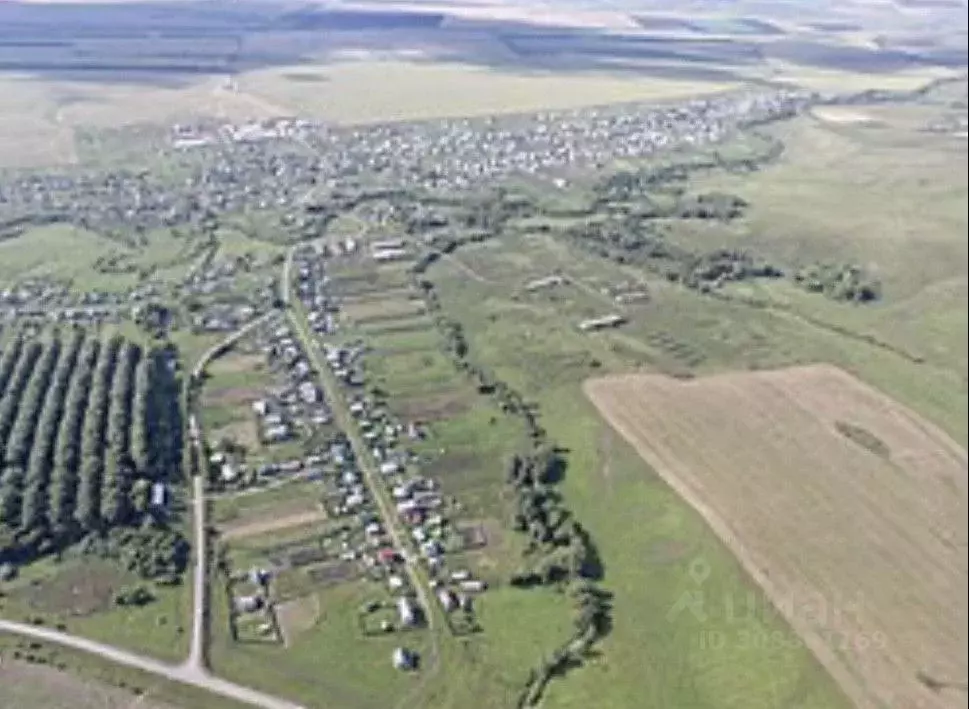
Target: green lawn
[{"x": 78, "y": 593}]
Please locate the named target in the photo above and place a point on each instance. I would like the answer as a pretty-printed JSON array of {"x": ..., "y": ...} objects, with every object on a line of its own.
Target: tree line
[{"x": 559, "y": 552}]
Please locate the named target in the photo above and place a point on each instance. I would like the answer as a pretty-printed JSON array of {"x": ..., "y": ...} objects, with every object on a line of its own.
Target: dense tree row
[
  {"x": 86, "y": 427},
  {"x": 34, "y": 511},
  {"x": 119, "y": 472},
  {"x": 21, "y": 434},
  {"x": 93, "y": 435},
  {"x": 10, "y": 400},
  {"x": 67, "y": 451},
  {"x": 24, "y": 397},
  {"x": 8, "y": 360}
]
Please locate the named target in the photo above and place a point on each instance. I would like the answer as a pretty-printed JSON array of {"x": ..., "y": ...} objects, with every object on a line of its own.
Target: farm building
[
  {"x": 389, "y": 254},
  {"x": 386, "y": 244},
  {"x": 547, "y": 282},
  {"x": 601, "y": 323}
]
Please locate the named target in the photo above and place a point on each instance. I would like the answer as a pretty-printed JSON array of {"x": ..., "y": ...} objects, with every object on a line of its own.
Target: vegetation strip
[{"x": 560, "y": 551}]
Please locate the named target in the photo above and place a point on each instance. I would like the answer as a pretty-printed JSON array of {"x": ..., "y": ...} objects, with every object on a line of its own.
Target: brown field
[
  {"x": 859, "y": 539},
  {"x": 435, "y": 406},
  {"x": 297, "y": 616},
  {"x": 252, "y": 527},
  {"x": 382, "y": 309}
]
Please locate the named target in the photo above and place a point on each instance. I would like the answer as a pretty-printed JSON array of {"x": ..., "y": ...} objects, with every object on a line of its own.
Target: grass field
[
  {"x": 31, "y": 686},
  {"x": 825, "y": 523},
  {"x": 53, "y": 672}
]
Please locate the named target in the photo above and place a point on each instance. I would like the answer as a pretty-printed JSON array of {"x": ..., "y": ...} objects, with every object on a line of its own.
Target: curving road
[
  {"x": 192, "y": 671},
  {"x": 183, "y": 673}
]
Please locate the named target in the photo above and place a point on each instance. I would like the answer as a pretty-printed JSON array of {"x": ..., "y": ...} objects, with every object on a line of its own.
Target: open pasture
[{"x": 828, "y": 524}]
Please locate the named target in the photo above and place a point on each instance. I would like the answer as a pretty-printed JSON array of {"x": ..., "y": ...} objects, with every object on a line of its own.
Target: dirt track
[{"x": 865, "y": 556}]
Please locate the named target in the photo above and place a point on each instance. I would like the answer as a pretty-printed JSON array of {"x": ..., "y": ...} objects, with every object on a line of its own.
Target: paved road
[{"x": 177, "y": 673}]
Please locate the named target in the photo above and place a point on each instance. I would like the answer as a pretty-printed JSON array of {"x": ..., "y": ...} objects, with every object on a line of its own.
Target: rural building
[
  {"x": 247, "y": 604},
  {"x": 601, "y": 323},
  {"x": 472, "y": 586},
  {"x": 404, "y": 659},
  {"x": 407, "y": 612},
  {"x": 447, "y": 599},
  {"x": 386, "y": 244},
  {"x": 389, "y": 255},
  {"x": 546, "y": 282}
]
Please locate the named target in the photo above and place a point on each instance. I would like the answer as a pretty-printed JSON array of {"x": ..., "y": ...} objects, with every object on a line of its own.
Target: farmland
[
  {"x": 360, "y": 320},
  {"x": 778, "y": 469}
]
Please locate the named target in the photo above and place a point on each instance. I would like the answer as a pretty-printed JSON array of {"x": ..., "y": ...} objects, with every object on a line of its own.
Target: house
[
  {"x": 473, "y": 586},
  {"x": 228, "y": 473},
  {"x": 387, "y": 555},
  {"x": 382, "y": 255},
  {"x": 403, "y": 659},
  {"x": 389, "y": 467},
  {"x": 275, "y": 434},
  {"x": 601, "y": 323},
  {"x": 447, "y": 599},
  {"x": 407, "y": 612},
  {"x": 247, "y": 604},
  {"x": 259, "y": 577},
  {"x": 260, "y": 407}
]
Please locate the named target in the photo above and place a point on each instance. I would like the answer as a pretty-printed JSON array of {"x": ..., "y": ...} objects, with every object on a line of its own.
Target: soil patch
[
  {"x": 297, "y": 616},
  {"x": 275, "y": 523},
  {"x": 79, "y": 590}
]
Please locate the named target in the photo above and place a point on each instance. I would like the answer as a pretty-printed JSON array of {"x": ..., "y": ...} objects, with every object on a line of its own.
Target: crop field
[{"x": 832, "y": 496}]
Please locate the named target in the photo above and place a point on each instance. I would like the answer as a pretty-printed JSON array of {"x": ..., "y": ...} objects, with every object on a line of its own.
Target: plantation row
[{"x": 86, "y": 427}]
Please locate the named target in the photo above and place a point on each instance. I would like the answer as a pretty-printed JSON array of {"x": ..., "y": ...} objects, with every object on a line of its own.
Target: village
[
  {"x": 378, "y": 515},
  {"x": 279, "y": 164}
]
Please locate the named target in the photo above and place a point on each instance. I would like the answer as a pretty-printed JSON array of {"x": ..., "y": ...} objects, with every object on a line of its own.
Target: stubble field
[{"x": 834, "y": 498}]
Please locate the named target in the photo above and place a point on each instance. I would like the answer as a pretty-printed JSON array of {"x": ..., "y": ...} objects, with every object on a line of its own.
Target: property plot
[
  {"x": 382, "y": 309},
  {"x": 273, "y": 524},
  {"x": 844, "y": 506}
]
